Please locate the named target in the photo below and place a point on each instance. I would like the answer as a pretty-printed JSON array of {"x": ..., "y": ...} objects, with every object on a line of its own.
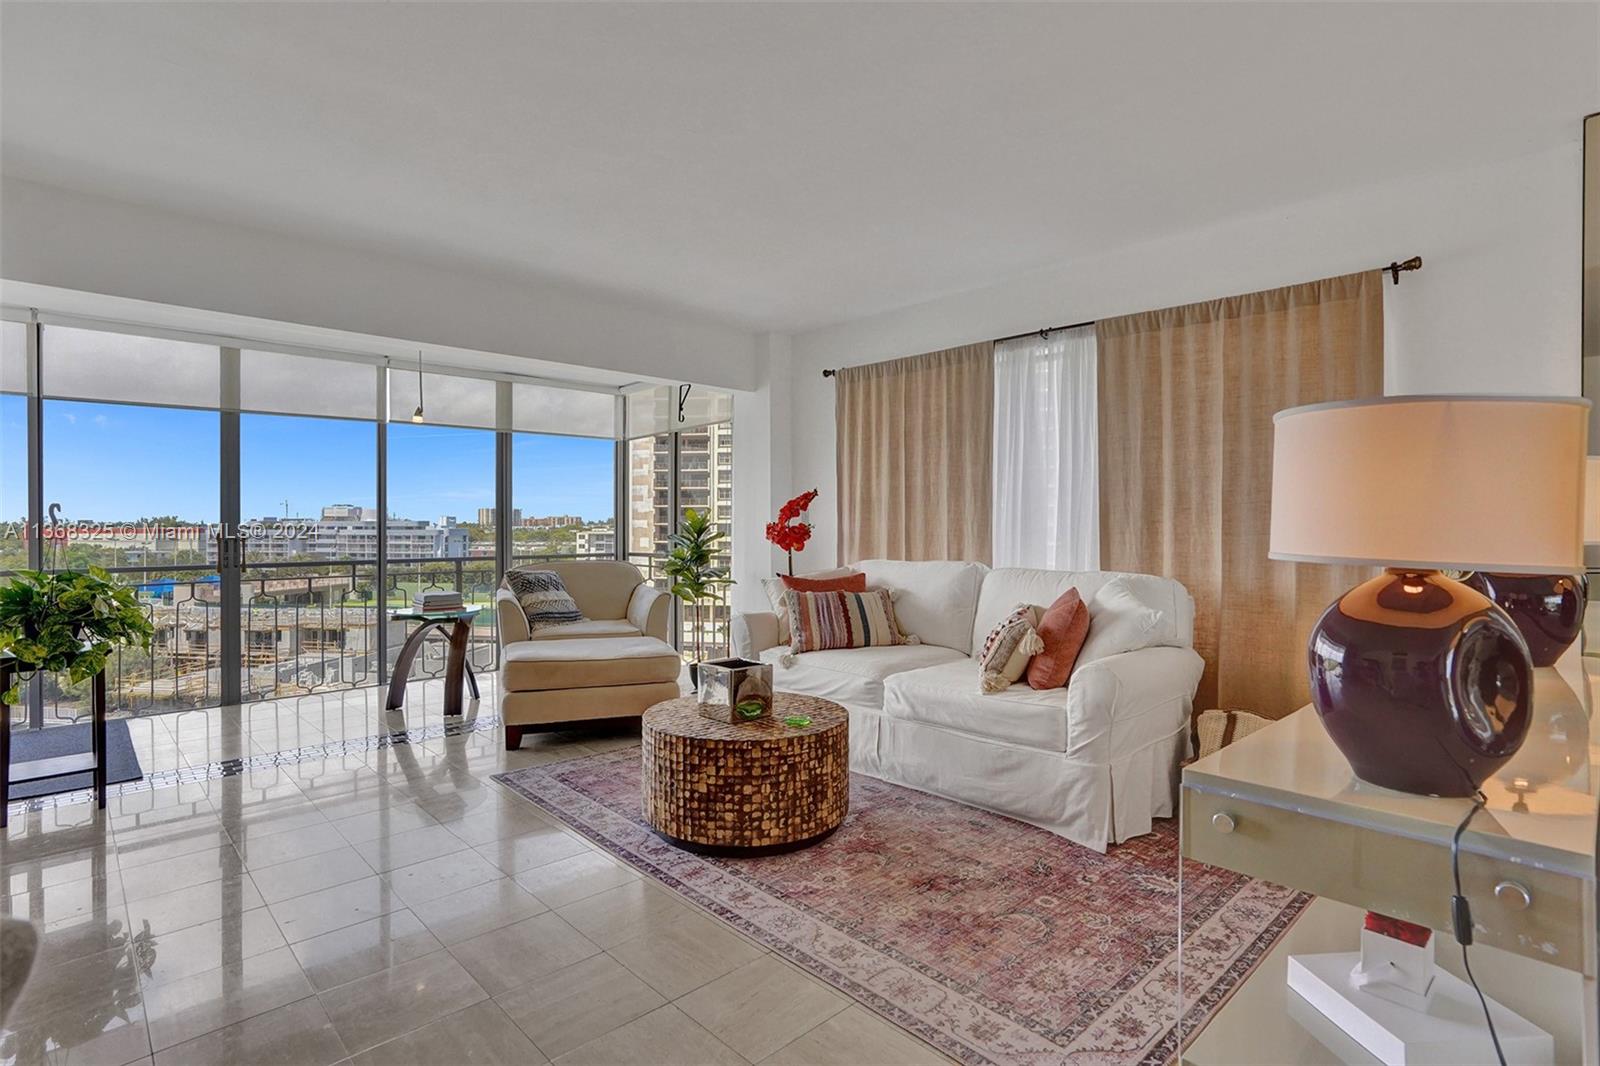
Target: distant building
[
  {"x": 486, "y": 516},
  {"x": 596, "y": 540},
  {"x": 346, "y": 531},
  {"x": 555, "y": 521}
]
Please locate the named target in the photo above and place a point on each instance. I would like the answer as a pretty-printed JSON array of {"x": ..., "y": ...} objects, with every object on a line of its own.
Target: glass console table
[{"x": 1282, "y": 805}]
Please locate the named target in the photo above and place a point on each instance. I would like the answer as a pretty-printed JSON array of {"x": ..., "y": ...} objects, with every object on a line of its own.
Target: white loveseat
[{"x": 1095, "y": 761}]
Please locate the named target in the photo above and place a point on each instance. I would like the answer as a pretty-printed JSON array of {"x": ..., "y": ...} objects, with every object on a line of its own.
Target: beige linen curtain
[
  {"x": 915, "y": 439},
  {"x": 1187, "y": 396}
]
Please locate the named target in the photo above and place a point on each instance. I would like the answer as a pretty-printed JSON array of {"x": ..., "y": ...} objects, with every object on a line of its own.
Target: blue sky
[{"x": 115, "y": 461}]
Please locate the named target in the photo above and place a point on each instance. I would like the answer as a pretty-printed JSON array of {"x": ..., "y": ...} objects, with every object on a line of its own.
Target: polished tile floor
[{"x": 378, "y": 903}]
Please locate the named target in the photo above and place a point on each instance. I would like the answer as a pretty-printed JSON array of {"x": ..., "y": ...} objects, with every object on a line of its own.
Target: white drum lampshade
[{"x": 1432, "y": 482}]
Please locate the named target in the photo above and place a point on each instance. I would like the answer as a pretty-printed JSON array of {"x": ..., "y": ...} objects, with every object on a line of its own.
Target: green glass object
[{"x": 799, "y": 721}]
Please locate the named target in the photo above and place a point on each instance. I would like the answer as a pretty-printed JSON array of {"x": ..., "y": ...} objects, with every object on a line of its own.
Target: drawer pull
[
  {"x": 1513, "y": 895},
  {"x": 1223, "y": 823}
]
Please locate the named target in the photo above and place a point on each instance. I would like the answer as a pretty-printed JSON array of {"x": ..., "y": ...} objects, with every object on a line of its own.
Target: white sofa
[{"x": 1095, "y": 761}]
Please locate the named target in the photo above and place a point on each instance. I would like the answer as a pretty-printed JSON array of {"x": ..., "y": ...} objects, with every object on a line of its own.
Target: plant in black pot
[
  {"x": 696, "y": 579},
  {"x": 67, "y": 622}
]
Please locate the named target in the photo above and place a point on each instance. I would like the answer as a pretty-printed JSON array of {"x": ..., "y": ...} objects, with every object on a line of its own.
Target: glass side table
[{"x": 458, "y": 626}]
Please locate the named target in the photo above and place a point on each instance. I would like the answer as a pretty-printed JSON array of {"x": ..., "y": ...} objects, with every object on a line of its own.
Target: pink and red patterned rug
[{"x": 992, "y": 940}]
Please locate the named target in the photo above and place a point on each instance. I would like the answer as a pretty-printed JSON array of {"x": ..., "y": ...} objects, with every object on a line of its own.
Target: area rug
[
  {"x": 992, "y": 940},
  {"x": 122, "y": 762}
]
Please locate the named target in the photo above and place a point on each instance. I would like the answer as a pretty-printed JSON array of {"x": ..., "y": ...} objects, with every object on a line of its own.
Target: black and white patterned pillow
[{"x": 543, "y": 598}]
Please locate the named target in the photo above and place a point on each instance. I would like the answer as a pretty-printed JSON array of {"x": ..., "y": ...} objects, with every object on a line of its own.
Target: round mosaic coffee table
[{"x": 751, "y": 788}]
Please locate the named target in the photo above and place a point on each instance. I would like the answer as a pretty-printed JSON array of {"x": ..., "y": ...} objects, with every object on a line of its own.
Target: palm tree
[{"x": 691, "y": 568}]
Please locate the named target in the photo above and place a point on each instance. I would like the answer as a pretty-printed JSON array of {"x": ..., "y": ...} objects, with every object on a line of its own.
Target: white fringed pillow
[{"x": 1008, "y": 647}]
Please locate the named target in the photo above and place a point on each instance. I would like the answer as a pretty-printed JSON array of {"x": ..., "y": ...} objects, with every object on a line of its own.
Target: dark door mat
[{"x": 27, "y": 745}]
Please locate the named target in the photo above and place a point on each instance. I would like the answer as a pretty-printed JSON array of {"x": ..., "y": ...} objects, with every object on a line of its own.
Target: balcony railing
[
  {"x": 309, "y": 626},
  {"x": 714, "y": 617}
]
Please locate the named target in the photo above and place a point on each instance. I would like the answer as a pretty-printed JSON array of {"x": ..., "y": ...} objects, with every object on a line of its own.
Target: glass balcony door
[{"x": 308, "y": 606}]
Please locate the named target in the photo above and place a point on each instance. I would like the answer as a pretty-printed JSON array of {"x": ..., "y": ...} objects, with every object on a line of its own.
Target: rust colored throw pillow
[
  {"x": 1064, "y": 628},
  {"x": 856, "y": 582}
]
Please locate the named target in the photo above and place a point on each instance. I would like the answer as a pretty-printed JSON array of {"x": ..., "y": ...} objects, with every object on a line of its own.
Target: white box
[{"x": 1451, "y": 1032}]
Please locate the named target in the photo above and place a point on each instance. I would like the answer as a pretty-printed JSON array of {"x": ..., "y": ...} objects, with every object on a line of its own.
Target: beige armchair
[{"x": 616, "y": 663}]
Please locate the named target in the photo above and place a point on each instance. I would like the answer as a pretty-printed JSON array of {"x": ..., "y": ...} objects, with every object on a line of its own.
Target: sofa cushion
[
  {"x": 947, "y": 695},
  {"x": 819, "y": 621},
  {"x": 589, "y": 627},
  {"x": 587, "y": 662},
  {"x": 854, "y": 677},
  {"x": 1062, "y": 631},
  {"x": 1005, "y": 588},
  {"x": 1119, "y": 622},
  {"x": 1008, "y": 648},
  {"x": 778, "y": 595},
  {"x": 935, "y": 601}
]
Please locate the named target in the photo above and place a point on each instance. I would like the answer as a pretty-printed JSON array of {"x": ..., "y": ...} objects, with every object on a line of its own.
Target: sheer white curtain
[{"x": 1046, "y": 452}]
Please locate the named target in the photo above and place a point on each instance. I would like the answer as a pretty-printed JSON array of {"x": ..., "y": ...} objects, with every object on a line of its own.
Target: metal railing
[
  {"x": 715, "y": 618},
  {"x": 310, "y": 626}
]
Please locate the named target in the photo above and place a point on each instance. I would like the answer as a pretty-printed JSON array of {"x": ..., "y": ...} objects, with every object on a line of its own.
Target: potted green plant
[
  {"x": 67, "y": 622},
  {"x": 695, "y": 577}
]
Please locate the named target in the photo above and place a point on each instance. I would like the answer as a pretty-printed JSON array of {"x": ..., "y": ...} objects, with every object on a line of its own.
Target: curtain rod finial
[
  {"x": 1394, "y": 269},
  {"x": 829, "y": 373}
]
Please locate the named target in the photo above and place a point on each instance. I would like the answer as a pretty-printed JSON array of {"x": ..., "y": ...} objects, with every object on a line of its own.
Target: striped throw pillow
[
  {"x": 822, "y": 620},
  {"x": 543, "y": 598}
]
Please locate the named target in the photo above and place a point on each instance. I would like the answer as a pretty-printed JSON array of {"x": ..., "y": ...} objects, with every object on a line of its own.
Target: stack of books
[{"x": 437, "y": 600}]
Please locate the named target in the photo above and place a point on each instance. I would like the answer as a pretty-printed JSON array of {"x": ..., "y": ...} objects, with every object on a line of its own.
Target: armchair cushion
[
  {"x": 589, "y": 627},
  {"x": 593, "y": 662}
]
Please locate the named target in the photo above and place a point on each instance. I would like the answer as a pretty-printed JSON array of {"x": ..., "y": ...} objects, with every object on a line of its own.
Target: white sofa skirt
[{"x": 1093, "y": 804}]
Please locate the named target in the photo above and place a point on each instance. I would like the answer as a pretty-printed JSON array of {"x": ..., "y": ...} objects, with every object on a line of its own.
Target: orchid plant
[{"x": 791, "y": 532}]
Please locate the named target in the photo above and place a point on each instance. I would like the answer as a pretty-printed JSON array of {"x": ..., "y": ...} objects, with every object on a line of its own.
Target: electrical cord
[{"x": 1461, "y": 919}]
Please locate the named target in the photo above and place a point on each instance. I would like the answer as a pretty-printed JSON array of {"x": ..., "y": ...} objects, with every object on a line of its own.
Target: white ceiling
[{"x": 774, "y": 166}]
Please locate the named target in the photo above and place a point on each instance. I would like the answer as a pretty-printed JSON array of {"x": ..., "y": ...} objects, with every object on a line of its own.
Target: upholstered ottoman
[{"x": 546, "y": 684}]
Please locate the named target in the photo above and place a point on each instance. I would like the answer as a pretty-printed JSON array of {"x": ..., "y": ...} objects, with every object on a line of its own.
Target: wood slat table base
[{"x": 753, "y": 786}]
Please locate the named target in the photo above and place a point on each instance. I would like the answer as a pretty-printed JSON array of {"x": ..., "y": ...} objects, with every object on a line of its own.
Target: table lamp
[{"x": 1424, "y": 683}]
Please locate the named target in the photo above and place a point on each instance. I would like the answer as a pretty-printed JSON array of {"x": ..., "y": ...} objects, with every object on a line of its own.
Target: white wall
[
  {"x": 50, "y": 236},
  {"x": 1495, "y": 309},
  {"x": 761, "y": 475}
]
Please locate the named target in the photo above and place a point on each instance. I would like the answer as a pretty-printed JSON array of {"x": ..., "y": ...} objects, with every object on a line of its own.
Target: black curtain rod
[{"x": 1394, "y": 270}]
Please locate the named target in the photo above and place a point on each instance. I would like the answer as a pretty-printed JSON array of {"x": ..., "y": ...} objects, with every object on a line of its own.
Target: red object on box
[{"x": 1396, "y": 929}]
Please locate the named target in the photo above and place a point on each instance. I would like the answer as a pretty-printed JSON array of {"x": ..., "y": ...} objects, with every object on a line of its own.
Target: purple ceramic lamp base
[
  {"x": 1547, "y": 608},
  {"x": 1424, "y": 684}
]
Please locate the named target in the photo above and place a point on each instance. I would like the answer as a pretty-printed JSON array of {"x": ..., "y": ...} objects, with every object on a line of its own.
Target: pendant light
[{"x": 416, "y": 416}]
